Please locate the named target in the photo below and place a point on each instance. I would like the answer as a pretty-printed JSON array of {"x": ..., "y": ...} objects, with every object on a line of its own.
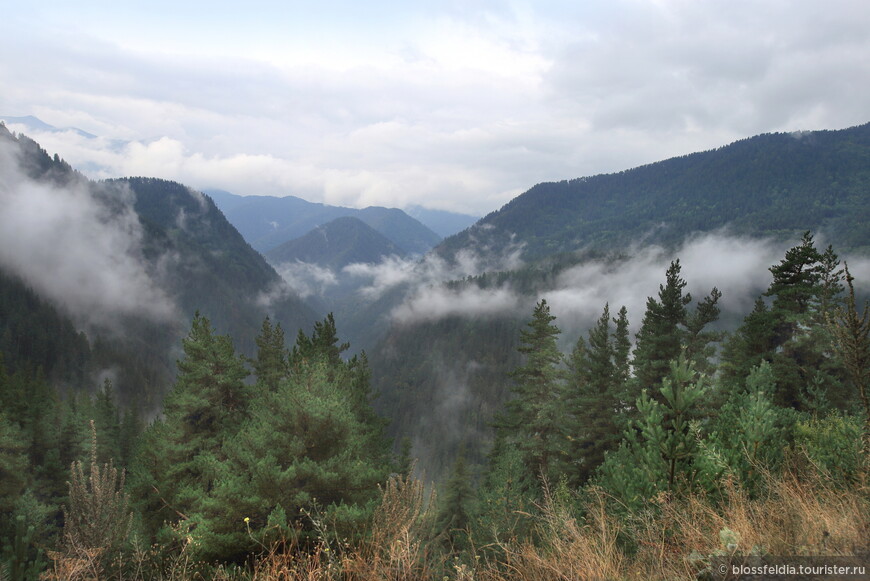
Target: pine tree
[
  {"x": 177, "y": 462},
  {"x": 323, "y": 344},
  {"x": 660, "y": 450},
  {"x": 108, "y": 425},
  {"x": 271, "y": 364},
  {"x": 455, "y": 510},
  {"x": 851, "y": 332},
  {"x": 13, "y": 465},
  {"x": 746, "y": 431},
  {"x": 536, "y": 420},
  {"x": 621, "y": 349},
  {"x": 791, "y": 332},
  {"x": 304, "y": 450},
  {"x": 659, "y": 340},
  {"x": 669, "y": 329},
  {"x": 323, "y": 350},
  {"x": 599, "y": 370}
]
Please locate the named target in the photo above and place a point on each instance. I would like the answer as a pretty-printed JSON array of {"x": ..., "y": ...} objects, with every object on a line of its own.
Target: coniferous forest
[
  {"x": 633, "y": 454},
  {"x": 609, "y": 461}
]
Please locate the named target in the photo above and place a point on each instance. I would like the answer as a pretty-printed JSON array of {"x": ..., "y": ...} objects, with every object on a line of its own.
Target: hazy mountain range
[
  {"x": 266, "y": 222},
  {"x": 336, "y": 244}
]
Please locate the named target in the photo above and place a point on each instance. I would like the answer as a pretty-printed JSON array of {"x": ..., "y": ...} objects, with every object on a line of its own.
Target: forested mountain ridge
[
  {"x": 221, "y": 275},
  {"x": 159, "y": 251},
  {"x": 267, "y": 221},
  {"x": 772, "y": 184}
]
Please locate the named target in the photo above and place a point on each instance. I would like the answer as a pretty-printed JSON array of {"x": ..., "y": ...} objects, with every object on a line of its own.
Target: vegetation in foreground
[{"x": 612, "y": 462}]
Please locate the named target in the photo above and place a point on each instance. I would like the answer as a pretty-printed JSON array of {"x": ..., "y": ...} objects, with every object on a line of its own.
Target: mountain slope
[
  {"x": 266, "y": 222},
  {"x": 775, "y": 184},
  {"x": 221, "y": 275},
  {"x": 127, "y": 262},
  {"x": 336, "y": 244}
]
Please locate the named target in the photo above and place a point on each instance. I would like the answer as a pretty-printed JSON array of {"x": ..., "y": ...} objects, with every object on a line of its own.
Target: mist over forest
[{"x": 196, "y": 385}]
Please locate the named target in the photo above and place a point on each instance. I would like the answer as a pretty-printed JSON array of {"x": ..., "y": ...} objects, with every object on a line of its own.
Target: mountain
[
  {"x": 225, "y": 200},
  {"x": 101, "y": 279},
  {"x": 336, "y": 244},
  {"x": 773, "y": 184},
  {"x": 267, "y": 221},
  {"x": 218, "y": 273},
  {"x": 35, "y": 124},
  {"x": 442, "y": 222}
]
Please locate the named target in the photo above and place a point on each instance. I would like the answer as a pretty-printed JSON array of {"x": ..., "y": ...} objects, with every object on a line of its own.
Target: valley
[{"x": 262, "y": 365}]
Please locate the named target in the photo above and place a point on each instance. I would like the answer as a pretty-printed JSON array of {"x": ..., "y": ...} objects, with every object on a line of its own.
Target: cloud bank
[
  {"x": 432, "y": 288},
  {"x": 460, "y": 106},
  {"x": 737, "y": 266}
]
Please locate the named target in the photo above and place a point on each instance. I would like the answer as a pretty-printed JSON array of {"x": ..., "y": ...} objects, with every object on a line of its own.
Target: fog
[
  {"x": 737, "y": 266},
  {"x": 77, "y": 247},
  {"x": 433, "y": 288}
]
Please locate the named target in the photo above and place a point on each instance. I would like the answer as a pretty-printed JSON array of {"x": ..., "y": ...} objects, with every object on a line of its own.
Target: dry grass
[
  {"x": 395, "y": 550},
  {"x": 801, "y": 513}
]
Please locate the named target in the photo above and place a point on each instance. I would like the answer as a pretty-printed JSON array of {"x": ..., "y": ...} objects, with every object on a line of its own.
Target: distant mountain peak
[
  {"x": 266, "y": 222},
  {"x": 345, "y": 240},
  {"x": 35, "y": 124}
]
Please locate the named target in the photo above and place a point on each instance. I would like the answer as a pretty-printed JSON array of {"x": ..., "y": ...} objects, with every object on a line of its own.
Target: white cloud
[
  {"x": 306, "y": 279},
  {"x": 431, "y": 270},
  {"x": 456, "y": 107},
  {"x": 738, "y": 267},
  {"x": 437, "y": 302}
]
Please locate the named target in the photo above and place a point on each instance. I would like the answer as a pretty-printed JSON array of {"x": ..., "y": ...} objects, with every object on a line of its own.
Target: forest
[{"x": 652, "y": 455}]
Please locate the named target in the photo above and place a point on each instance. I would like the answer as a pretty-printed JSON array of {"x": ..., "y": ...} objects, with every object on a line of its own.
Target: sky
[{"x": 453, "y": 105}]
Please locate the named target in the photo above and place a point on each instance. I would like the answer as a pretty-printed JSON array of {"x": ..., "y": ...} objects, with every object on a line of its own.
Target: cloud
[
  {"x": 437, "y": 302},
  {"x": 306, "y": 279},
  {"x": 737, "y": 266},
  {"x": 456, "y": 108},
  {"x": 433, "y": 288},
  {"x": 78, "y": 245},
  {"x": 432, "y": 269}
]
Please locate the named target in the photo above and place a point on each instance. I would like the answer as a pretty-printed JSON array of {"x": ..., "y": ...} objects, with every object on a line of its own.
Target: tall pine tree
[
  {"x": 536, "y": 419},
  {"x": 599, "y": 369},
  {"x": 179, "y": 457}
]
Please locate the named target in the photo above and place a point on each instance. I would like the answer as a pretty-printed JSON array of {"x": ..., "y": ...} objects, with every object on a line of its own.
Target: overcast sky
[{"x": 457, "y": 105}]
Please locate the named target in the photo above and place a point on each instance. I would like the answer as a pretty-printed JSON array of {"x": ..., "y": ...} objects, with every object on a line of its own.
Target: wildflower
[{"x": 247, "y": 519}]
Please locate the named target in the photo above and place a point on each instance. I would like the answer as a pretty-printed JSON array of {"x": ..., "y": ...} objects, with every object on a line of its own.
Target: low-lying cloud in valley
[
  {"x": 307, "y": 279},
  {"x": 437, "y": 302},
  {"x": 737, "y": 266},
  {"x": 76, "y": 249}
]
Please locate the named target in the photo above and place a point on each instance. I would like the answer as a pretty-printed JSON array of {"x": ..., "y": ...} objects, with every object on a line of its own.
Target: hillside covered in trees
[
  {"x": 99, "y": 279},
  {"x": 625, "y": 456},
  {"x": 774, "y": 184}
]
